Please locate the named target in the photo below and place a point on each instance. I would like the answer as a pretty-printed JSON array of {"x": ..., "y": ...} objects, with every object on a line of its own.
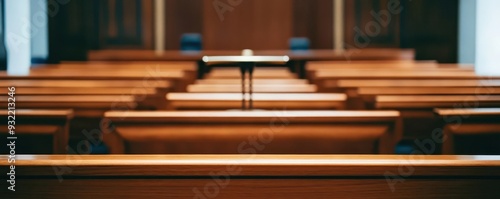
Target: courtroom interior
[{"x": 249, "y": 99}]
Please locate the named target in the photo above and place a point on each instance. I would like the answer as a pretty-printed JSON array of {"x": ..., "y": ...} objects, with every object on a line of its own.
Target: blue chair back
[
  {"x": 191, "y": 42},
  {"x": 299, "y": 43}
]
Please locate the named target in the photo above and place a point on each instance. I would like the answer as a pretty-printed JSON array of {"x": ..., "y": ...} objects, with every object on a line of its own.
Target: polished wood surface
[
  {"x": 434, "y": 101},
  {"x": 267, "y": 73},
  {"x": 129, "y": 65},
  {"x": 84, "y": 105},
  {"x": 277, "y": 132},
  {"x": 153, "y": 83},
  {"x": 412, "y": 83},
  {"x": 402, "y": 74},
  {"x": 301, "y": 101},
  {"x": 470, "y": 130},
  {"x": 251, "y": 176},
  {"x": 428, "y": 91},
  {"x": 100, "y": 75},
  {"x": 85, "y": 91},
  {"x": 255, "y": 81},
  {"x": 471, "y": 112},
  {"x": 264, "y": 88},
  {"x": 31, "y": 123},
  {"x": 175, "y": 55},
  {"x": 372, "y": 64}
]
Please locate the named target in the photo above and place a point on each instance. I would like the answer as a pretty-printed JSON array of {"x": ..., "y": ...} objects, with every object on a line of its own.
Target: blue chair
[
  {"x": 191, "y": 42},
  {"x": 299, "y": 43}
]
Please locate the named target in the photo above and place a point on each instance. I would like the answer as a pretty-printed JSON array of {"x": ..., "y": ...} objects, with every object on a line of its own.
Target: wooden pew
[
  {"x": 58, "y": 83},
  {"x": 84, "y": 106},
  {"x": 470, "y": 131},
  {"x": 398, "y": 74},
  {"x": 88, "y": 110},
  {"x": 259, "y": 88},
  {"x": 148, "y": 93},
  {"x": 259, "y": 73},
  {"x": 217, "y": 101},
  {"x": 178, "y": 78},
  {"x": 83, "y": 91},
  {"x": 373, "y": 91},
  {"x": 435, "y": 101},
  {"x": 354, "y": 83},
  {"x": 255, "y": 81},
  {"x": 32, "y": 127},
  {"x": 253, "y": 176},
  {"x": 276, "y": 132},
  {"x": 187, "y": 67}
]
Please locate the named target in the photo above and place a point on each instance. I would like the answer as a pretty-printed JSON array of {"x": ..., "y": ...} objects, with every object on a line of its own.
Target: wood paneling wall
[
  {"x": 429, "y": 26},
  {"x": 255, "y": 24},
  {"x": 182, "y": 16}
]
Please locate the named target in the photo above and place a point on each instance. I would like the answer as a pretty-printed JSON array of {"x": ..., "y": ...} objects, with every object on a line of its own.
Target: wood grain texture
[
  {"x": 427, "y": 91},
  {"x": 256, "y": 24},
  {"x": 481, "y": 84},
  {"x": 470, "y": 131},
  {"x": 205, "y": 132},
  {"x": 255, "y": 81},
  {"x": 218, "y": 101},
  {"x": 269, "y": 88},
  {"x": 31, "y": 123},
  {"x": 250, "y": 176},
  {"x": 325, "y": 55}
]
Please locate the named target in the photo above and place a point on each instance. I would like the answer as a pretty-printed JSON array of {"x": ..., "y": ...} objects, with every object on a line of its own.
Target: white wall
[
  {"x": 487, "y": 37},
  {"x": 18, "y": 36}
]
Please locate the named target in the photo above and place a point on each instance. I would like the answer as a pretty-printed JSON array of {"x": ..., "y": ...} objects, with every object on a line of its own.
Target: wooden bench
[
  {"x": 373, "y": 91},
  {"x": 255, "y": 81},
  {"x": 187, "y": 67},
  {"x": 217, "y": 101},
  {"x": 434, "y": 101},
  {"x": 470, "y": 131},
  {"x": 88, "y": 110},
  {"x": 259, "y": 73},
  {"x": 258, "y": 88},
  {"x": 354, "y": 83},
  {"x": 178, "y": 78},
  {"x": 279, "y": 131},
  {"x": 33, "y": 126},
  {"x": 84, "y": 106},
  {"x": 253, "y": 176}
]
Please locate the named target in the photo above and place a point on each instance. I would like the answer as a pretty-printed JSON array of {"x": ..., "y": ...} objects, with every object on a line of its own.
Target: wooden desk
[
  {"x": 373, "y": 64},
  {"x": 176, "y": 55},
  {"x": 470, "y": 131},
  {"x": 276, "y": 132},
  {"x": 434, "y": 101},
  {"x": 259, "y": 73},
  {"x": 32, "y": 123},
  {"x": 84, "y": 106},
  {"x": 354, "y": 83},
  {"x": 178, "y": 78},
  {"x": 189, "y": 68},
  {"x": 255, "y": 176},
  {"x": 373, "y": 91},
  {"x": 131, "y": 84},
  {"x": 259, "y": 88},
  {"x": 255, "y": 81},
  {"x": 218, "y": 101},
  {"x": 297, "y": 62}
]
